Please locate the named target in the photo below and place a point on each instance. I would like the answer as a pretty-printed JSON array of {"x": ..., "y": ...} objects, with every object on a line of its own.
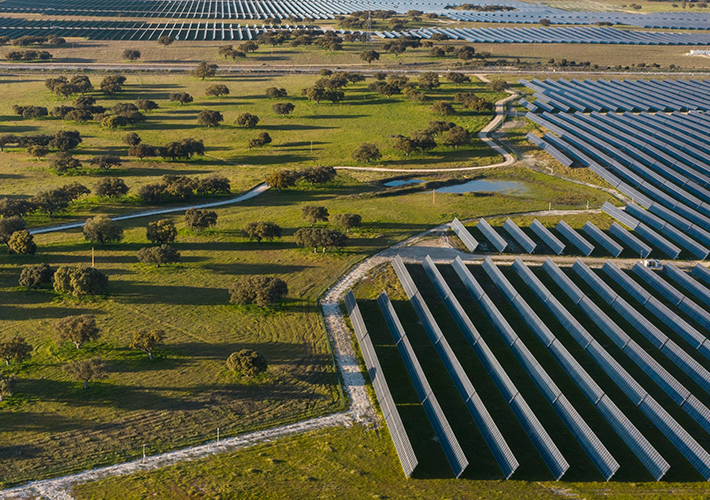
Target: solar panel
[
  {"x": 398, "y": 433},
  {"x": 575, "y": 238},
  {"x": 684, "y": 280},
  {"x": 464, "y": 235},
  {"x": 545, "y": 235},
  {"x": 630, "y": 240},
  {"x": 492, "y": 235},
  {"x": 458, "y": 375},
  {"x": 597, "y": 235},
  {"x": 452, "y": 449},
  {"x": 519, "y": 236}
]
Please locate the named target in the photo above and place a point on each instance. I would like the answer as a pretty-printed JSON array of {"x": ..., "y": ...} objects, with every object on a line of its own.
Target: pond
[
  {"x": 505, "y": 187},
  {"x": 401, "y": 182}
]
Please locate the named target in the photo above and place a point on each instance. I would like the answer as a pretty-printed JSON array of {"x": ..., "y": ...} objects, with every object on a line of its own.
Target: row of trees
[
  {"x": 70, "y": 280},
  {"x": 27, "y": 40},
  {"x": 28, "y": 55},
  {"x": 81, "y": 84},
  {"x": 283, "y": 179}
]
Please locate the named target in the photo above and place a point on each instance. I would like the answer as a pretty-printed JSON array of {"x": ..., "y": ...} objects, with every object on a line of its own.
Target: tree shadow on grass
[
  {"x": 144, "y": 170},
  {"x": 333, "y": 117},
  {"x": 272, "y": 159},
  {"x": 20, "y": 314},
  {"x": 239, "y": 269},
  {"x": 140, "y": 293},
  {"x": 292, "y": 127}
]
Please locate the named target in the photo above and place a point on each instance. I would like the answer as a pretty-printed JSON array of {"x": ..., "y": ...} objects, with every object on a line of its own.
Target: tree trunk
[
  {"x": 86, "y": 384},
  {"x": 1, "y": 397},
  {"x": 315, "y": 249},
  {"x": 78, "y": 345},
  {"x": 7, "y": 362},
  {"x": 150, "y": 355}
]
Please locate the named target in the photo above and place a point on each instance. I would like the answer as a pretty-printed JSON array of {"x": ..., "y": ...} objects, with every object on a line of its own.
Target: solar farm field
[{"x": 558, "y": 372}]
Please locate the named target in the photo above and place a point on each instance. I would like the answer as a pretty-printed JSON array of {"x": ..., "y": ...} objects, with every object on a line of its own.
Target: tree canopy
[
  {"x": 86, "y": 370},
  {"x": 198, "y": 220},
  {"x": 261, "y": 230},
  {"x": 77, "y": 329},
  {"x": 348, "y": 221},
  {"x": 161, "y": 231},
  {"x": 102, "y": 229},
  {"x": 209, "y": 118},
  {"x": 22, "y": 242},
  {"x": 260, "y": 290},
  {"x": 147, "y": 340},
  {"x": 160, "y": 255},
  {"x": 205, "y": 70},
  {"x": 16, "y": 349},
  {"x": 366, "y": 152},
  {"x": 80, "y": 281},
  {"x": 36, "y": 275},
  {"x": 247, "y": 362},
  {"x": 320, "y": 237},
  {"x": 314, "y": 214}
]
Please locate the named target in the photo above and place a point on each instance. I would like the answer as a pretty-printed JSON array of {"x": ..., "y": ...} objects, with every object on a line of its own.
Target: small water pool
[
  {"x": 506, "y": 187},
  {"x": 402, "y": 182}
]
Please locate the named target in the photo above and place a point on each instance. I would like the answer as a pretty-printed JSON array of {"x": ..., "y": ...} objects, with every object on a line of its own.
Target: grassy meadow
[{"x": 314, "y": 134}]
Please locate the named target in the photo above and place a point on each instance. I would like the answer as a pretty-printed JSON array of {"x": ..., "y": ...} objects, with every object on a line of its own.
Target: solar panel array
[
  {"x": 639, "y": 445},
  {"x": 501, "y": 451},
  {"x": 579, "y": 428},
  {"x": 453, "y": 366},
  {"x": 143, "y": 30},
  {"x": 399, "y": 436},
  {"x": 614, "y": 95},
  {"x": 659, "y": 340},
  {"x": 675, "y": 433},
  {"x": 521, "y": 12},
  {"x": 546, "y": 447},
  {"x": 642, "y": 241},
  {"x": 661, "y": 301},
  {"x": 586, "y": 35},
  {"x": 659, "y": 160},
  {"x": 211, "y": 9}
]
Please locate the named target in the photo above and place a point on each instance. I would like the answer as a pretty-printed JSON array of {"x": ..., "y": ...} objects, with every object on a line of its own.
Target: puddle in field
[
  {"x": 505, "y": 187},
  {"x": 401, "y": 182}
]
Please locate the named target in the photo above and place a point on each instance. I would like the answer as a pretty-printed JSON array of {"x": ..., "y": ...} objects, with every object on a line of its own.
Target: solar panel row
[
  {"x": 464, "y": 235},
  {"x": 400, "y": 439},
  {"x": 587, "y": 35}
]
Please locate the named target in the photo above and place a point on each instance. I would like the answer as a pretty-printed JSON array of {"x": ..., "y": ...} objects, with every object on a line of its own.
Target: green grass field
[{"x": 324, "y": 134}]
